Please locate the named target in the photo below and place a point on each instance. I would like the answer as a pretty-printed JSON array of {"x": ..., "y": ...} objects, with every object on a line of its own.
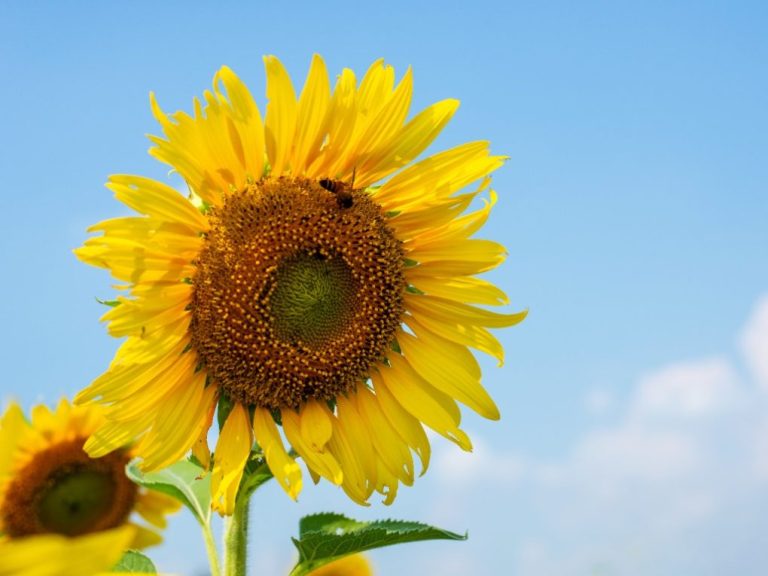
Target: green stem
[
  {"x": 236, "y": 537},
  {"x": 210, "y": 547}
]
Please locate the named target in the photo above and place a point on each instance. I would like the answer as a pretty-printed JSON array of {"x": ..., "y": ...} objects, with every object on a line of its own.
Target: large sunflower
[
  {"x": 53, "y": 496},
  {"x": 317, "y": 277}
]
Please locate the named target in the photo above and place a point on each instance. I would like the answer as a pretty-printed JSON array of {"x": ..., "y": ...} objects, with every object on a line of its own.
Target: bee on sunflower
[
  {"x": 61, "y": 511},
  {"x": 318, "y": 280}
]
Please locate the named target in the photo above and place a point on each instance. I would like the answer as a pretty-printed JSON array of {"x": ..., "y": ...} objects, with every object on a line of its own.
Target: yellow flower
[
  {"x": 53, "y": 495},
  {"x": 318, "y": 276},
  {"x": 355, "y": 565}
]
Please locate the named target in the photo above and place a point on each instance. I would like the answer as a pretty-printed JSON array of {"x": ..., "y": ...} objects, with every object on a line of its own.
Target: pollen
[
  {"x": 298, "y": 292},
  {"x": 64, "y": 491}
]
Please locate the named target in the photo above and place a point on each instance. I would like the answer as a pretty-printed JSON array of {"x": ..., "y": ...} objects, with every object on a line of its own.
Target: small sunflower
[
  {"x": 51, "y": 490},
  {"x": 317, "y": 277}
]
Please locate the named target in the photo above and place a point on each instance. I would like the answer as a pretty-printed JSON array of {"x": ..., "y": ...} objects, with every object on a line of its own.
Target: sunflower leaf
[
  {"x": 256, "y": 473},
  {"x": 133, "y": 562},
  {"x": 326, "y": 537},
  {"x": 184, "y": 481}
]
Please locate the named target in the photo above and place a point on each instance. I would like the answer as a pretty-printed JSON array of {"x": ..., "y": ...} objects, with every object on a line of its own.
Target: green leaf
[
  {"x": 110, "y": 303},
  {"x": 255, "y": 474},
  {"x": 326, "y": 537},
  {"x": 185, "y": 481},
  {"x": 134, "y": 561}
]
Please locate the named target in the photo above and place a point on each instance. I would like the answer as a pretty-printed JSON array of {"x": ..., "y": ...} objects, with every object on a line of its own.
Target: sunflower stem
[
  {"x": 210, "y": 548},
  {"x": 236, "y": 537}
]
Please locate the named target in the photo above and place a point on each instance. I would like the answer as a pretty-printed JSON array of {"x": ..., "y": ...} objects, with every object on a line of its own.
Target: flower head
[
  {"x": 50, "y": 487},
  {"x": 317, "y": 277}
]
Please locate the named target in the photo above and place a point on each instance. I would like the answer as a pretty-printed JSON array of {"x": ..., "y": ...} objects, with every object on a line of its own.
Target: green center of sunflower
[
  {"x": 298, "y": 291},
  {"x": 76, "y": 501},
  {"x": 64, "y": 491},
  {"x": 313, "y": 299}
]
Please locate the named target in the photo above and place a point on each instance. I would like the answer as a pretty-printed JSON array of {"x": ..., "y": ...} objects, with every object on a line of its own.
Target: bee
[{"x": 342, "y": 190}]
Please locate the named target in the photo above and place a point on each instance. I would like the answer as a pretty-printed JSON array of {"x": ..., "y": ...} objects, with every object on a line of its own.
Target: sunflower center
[
  {"x": 313, "y": 299},
  {"x": 75, "y": 501},
  {"x": 298, "y": 291},
  {"x": 64, "y": 491}
]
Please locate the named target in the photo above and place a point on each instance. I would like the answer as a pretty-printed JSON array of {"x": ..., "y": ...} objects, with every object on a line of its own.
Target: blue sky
[{"x": 634, "y": 438}]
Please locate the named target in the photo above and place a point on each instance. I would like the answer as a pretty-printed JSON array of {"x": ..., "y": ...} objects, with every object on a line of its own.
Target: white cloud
[
  {"x": 599, "y": 401},
  {"x": 632, "y": 453},
  {"x": 687, "y": 390},
  {"x": 458, "y": 469},
  {"x": 761, "y": 451},
  {"x": 674, "y": 485},
  {"x": 754, "y": 342}
]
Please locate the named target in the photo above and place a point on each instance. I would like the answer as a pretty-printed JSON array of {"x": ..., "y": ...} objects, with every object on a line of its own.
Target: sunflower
[
  {"x": 54, "y": 497},
  {"x": 317, "y": 279}
]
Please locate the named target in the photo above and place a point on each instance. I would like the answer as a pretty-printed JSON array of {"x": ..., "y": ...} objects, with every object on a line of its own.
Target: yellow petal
[
  {"x": 381, "y": 129},
  {"x": 145, "y": 538},
  {"x": 176, "y": 430},
  {"x": 461, "y": 289},
  {"x": 230, "y": 456},
  {"x": 53, "y": 555},
  {"x": 311, "y": 446},
  {"x": 439, "y": 176},
  {"x": 356, "y": 482},
  {"x": 407, "y": 426},
  {"x": 200, "y": 449},
  {"x": 124, "y": 379},
  {"x": 375, "y": 88},
  {"x": 13, "y": 427},
  {"x": 316, "y": 424},
  {"x": 157, "y": 390},
  {"x": 357, "y": 434},
  {"x": 459, "y": 332},
  {"x": 43, "y": 420},
  {"x": 283, "y": 467},
  {"x": 281, "y": 115},
  {"x": 394, "y": 453},
  {"x": 133, "y": 319},
  {"x": 469, "y": 256},
  {"x": 447, "y": 367},
  {"x": 411, "y": 224},
  {"x": 411, "y": 141},
  {"x": 155, "y": 199},
  {"x": 387, "y": 483},
  {"x": 154, "y": 506},
  {"x": 434, "y": 408},
  {"x": 247, "y": 122},
  {"x": 461, "y": 228},
  {"x": 463, "y": 313},
  {"x": 339, "y": 127},
  {"x": 310, "y": 118}
]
